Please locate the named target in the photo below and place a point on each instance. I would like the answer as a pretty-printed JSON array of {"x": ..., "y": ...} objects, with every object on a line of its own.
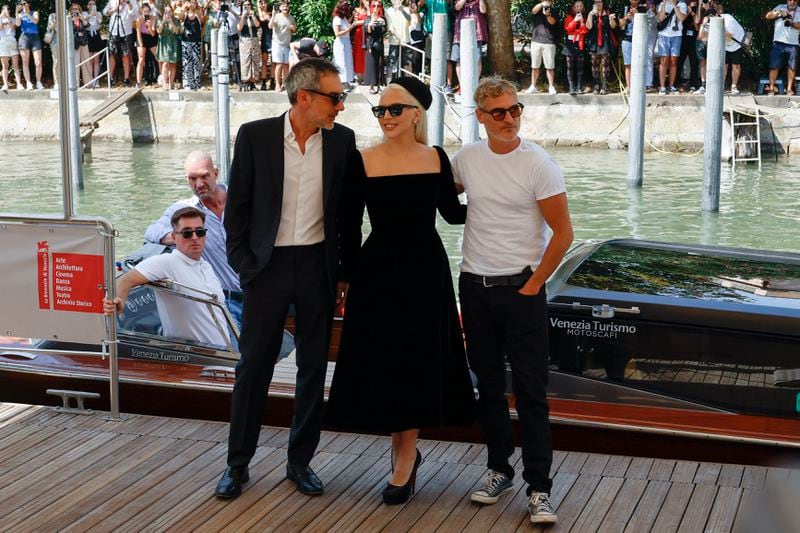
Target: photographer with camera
[
  {"x": 8, "y": 47},
  {"x": 689, "y": 48},
  {"x": 264, "y": 14},
  {"x": 146, "y": 41},
  {"x": 29, "y": 42},
  {"x": 283, "y": 25},
  {"x": 626, "y": 25},
  {"x": 80, "y": 33},
  {"x": 734, "y": 33},
  {"x": 167, "y": 50},
  {"x": 601, "y": 42},
  {"x": 671, "y": 14},
  {"x": 543, "y": 45},
  {"x": 249, "y": 47},
  {"x": 121, "y": 14},
  {"x": 785, "y": 48},
  {"x": 575, "y": 49}
]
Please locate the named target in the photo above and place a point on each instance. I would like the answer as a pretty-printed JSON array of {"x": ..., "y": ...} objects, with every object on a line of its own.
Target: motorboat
[{"x": 650, "y": 342}]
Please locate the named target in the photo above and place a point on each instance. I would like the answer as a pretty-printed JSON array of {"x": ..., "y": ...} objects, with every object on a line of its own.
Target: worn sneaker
[
  {"x": 552, "y": 90},
  {"x": 735, "y": 91},
  {"x": 39, "y": 86},
  {"x": 448, "y": 89},
  {"x": 540, "y": 509},
  {"x": 531, "y": 90},
  {"x": 662, "y": 91},
  {"x": 496, "y": 485},
  {"x": 701, "y": 90},
  {"x": 672, "y": 89}
]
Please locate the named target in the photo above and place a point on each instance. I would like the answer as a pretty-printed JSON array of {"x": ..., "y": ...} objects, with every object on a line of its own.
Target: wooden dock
[{"x": 71, "y": 472}]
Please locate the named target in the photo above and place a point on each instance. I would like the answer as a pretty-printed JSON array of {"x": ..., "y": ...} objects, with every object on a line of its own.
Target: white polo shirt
[
  {"x": 505, "y": 230},
  {"x": 182, "y": 318},
  {"x": 668, "y": 31}
]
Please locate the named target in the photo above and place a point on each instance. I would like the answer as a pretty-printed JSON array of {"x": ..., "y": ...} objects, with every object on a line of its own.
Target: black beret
[{"x": 418, "y": 90}]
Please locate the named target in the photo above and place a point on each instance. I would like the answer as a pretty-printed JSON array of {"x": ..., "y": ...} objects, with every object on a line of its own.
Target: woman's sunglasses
[
  {"x": 395, "y": 109},
  {"x": 187, "y": 233},
  {"x": 499, "y": 113}
]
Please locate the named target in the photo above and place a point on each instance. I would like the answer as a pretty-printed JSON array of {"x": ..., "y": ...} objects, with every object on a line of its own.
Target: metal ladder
[{"x": 734, "y": 130}]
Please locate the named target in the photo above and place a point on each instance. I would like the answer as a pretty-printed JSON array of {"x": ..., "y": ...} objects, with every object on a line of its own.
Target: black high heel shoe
[{"x": 395, "y": 495}]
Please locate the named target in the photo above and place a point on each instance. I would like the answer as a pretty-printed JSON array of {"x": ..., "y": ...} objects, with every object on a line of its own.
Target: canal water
[{"x": 131, "y": 185}]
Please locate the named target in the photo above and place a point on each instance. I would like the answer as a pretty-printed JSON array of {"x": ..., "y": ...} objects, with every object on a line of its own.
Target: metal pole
[
  {"x": 438, "y": 70},
  {"x": 215, "y": 87},
  {"x": 75, "y": 148},
  {"x": 62, "y": 28},
  {"x": 111, "y": 336},
  {"x": 638, "y": 101},
  {"x": 469, "y": 80},
  {"x": 715, "y": 70},
  {"x": 223, "y": 77}
]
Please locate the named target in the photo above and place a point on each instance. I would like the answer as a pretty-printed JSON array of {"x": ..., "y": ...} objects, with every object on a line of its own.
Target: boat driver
[
  {"x": 209, "y": 198},
  {"x": 180, "y": 317}
]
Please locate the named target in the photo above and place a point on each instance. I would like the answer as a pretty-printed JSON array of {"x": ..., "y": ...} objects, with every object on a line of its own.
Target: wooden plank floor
[{"x": 70, "y": 472}]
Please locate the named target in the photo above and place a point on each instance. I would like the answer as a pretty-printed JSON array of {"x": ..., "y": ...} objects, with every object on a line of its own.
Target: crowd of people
[
  {"x": 374, "y": 42},
  {"x": 678, "y": 31},
  {"x": 303, "y": 249}
]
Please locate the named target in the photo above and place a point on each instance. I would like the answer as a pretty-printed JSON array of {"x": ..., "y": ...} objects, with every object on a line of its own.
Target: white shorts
[
  {"x": 546, "y": 52},
  {"x": 280, "y": 53}
]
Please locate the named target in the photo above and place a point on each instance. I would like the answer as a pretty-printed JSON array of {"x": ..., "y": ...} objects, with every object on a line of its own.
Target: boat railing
[{"x": 209, "y": 300}]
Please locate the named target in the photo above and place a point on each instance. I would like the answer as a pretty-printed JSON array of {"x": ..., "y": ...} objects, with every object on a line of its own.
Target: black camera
[
  {"x": 224, "y": 8},
  {"x": 787, "y": 20},
  {"x": 641, "y": 7},
  {"x": 712, "y": 12}
]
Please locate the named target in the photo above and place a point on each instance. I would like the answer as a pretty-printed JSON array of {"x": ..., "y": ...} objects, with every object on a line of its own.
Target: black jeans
[
  {"x": 499, "y": 324},
  {"x": 298, "y": 275},
  {"x": 689, "y": 51}
]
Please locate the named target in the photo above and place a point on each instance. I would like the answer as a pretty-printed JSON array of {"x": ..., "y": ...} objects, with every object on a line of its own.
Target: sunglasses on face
[
  {"x": 336, "y": 98},
  {"x": 499, "y": 113},
  {"x": 187, "y": 233},
  {"x": 394, "y": 109}
]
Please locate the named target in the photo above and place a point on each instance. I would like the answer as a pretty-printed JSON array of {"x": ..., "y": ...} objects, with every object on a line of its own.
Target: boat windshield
[{"x": 690, "y": 274}]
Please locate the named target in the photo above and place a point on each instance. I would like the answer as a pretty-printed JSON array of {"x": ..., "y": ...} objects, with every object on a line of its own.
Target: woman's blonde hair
[{"x": 421, "y": 127}]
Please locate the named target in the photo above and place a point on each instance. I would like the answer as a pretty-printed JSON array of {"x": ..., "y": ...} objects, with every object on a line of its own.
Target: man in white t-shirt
[
  {"x": 734, "y": 36},
  {"x": 672, "y": 13},
  {"x": 785, "y": 49},
  {"x": 180, "y": 318},
  {"x": 515, "y": 191}
]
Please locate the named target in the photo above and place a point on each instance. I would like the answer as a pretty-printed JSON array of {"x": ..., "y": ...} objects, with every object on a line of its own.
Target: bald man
[{"x": 209, "y": 197}]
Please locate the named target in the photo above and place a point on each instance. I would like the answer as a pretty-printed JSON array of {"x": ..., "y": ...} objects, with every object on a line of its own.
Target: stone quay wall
[{"x": 674, "y": 123}]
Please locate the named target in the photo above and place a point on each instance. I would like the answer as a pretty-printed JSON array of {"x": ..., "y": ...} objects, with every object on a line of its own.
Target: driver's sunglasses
[
  {"x": 394, "y": 109},
  {"x": 499, "y": 113},
  {"x": 187, "y": 233},
  {"x": 336, "y": 98}
]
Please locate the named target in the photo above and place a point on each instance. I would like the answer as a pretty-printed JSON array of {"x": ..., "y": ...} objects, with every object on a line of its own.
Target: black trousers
[
  {"x": 689, "y": 51},
  {"x": 499, "y": 324},
  {"x": 294, "y": 274}
]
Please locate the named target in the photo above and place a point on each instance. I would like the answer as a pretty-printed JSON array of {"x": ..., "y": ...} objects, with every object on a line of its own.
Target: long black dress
[{"x": 401, "y": 362}]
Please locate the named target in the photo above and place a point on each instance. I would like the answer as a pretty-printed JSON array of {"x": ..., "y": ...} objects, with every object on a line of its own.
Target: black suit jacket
[{"x": 255, "y": 194}]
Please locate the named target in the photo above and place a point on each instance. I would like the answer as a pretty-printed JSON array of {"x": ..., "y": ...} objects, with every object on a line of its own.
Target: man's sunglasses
[
  {"x": 499, "y": 113},
  {"x": 336, "y": 98},
  {"x": 395, "y": 109},
  {"x": 187, "y": 233}
]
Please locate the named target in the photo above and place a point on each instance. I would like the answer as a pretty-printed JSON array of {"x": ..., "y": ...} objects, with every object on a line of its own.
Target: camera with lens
[
  {"x": 787, "y": 20},
  {"x": 712, "y": 12},
  {"x": 641, "y": 7},
  {"x": 224, "y": 7}
]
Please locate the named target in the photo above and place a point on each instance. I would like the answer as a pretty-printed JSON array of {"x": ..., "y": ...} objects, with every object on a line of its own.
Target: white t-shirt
[
  {"x": 783, "y": 33},
  {"x": 669, "y": 31},
  {"x": 733, "y": 27},
  {"x": 505, "y": 230},
  {"x": 281, "y": 32},
  {"x": 341, "y": 24},
  {"x": 182, "y": 318}
]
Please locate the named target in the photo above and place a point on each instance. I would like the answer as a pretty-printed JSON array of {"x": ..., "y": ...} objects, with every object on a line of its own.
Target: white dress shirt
[{"x": 301, "y": 206}]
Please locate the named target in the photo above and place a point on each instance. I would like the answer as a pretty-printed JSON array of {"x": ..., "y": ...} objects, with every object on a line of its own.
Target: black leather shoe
[
  {"x": 230, "y": 484},
  {"x": 306, "y": 480}
]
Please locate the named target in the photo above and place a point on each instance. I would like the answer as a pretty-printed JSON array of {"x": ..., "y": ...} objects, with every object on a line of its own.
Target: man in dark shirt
[{"x": 543, "y": 45}]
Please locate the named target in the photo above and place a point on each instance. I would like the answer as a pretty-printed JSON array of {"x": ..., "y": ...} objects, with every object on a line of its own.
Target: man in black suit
[{"x": 285, "y": 183}]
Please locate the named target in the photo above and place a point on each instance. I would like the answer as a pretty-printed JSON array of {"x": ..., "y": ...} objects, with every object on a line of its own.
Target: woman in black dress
[{"x": 401, "y": 363}]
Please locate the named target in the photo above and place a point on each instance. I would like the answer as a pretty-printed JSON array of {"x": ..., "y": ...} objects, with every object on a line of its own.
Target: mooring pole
[
  {"x": 215, "y": 90},
  {"x": 438, "y": 70},
  {"x": 223, "y": 77},
  {"x": 715, "y": 72},
  {"x": 638, "y": 101},
  {"x": 62, "y": 26},
  {"x": 469, "y": 80},
  {"x": 66, "y": 39}
]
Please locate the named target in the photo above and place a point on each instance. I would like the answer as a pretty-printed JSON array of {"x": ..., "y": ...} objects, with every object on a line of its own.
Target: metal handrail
[
  {"x": 210, "y": 301},
  {"x": 107, "y": 74},
  {"x": 421, "y": 76}
]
